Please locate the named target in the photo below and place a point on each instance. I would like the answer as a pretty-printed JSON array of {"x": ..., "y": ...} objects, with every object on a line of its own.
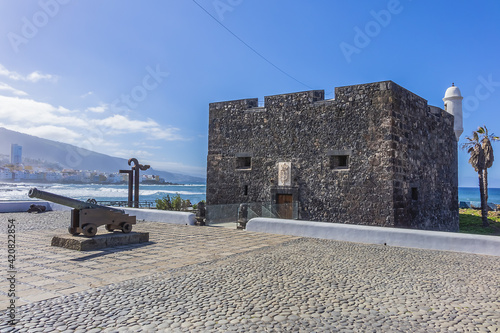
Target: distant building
[
  {"x": 376, "y": 154},
  {"x": 16, "y": 154},
  {"x": 152, "y": 179},
  {"x": 115, "y": 178},
  {"x": 5, "y": 174},
  {"x": 20, "y": 175},
  {"x": 53, "y": 176}
]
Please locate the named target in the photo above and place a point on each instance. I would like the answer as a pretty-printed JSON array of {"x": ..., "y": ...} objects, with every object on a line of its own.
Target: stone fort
[{"x": 376, "y": 154}]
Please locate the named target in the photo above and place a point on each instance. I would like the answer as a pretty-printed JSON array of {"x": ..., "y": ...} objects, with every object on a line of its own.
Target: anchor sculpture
[{"x": 133, "y": 180}]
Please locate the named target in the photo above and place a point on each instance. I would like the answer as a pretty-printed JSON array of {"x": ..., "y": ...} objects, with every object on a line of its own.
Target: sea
[
  {"x": 104, "y": 192},
  {"x": 194, "y": 192},
  {"x": 471, "y": 194}
]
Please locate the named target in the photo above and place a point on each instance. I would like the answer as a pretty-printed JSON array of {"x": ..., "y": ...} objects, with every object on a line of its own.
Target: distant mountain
[{"x": 72, "y": 157}]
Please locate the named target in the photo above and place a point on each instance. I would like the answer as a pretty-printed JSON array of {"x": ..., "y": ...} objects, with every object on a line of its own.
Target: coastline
[
  {"x": 103, "y": 192},
  {"x": 195, "y": 192}
]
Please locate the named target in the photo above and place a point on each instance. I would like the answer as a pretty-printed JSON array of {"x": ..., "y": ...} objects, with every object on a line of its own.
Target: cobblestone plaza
[{"x": 207, "y": 279}]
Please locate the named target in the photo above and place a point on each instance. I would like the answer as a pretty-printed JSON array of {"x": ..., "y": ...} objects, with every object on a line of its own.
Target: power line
[{"x": 251, "y": 48}]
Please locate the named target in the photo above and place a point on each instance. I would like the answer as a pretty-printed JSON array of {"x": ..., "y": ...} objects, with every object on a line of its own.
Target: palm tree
[
  {"x": 477, "y": 160},
  {"x": 486, "y": 139}
]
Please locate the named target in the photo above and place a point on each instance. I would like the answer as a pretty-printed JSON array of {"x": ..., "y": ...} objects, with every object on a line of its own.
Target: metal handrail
[{"x": 125, "y": 203}]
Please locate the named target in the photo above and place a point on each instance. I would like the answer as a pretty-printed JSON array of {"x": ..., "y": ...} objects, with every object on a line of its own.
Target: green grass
[{"x": 471, "y": 223}]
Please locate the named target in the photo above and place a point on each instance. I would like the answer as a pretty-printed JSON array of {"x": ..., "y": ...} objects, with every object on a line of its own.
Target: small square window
[
  {"x": 339, "y": 161},
  {"x": 414, "y": 193},
  {"x": 243, "y": 162}
]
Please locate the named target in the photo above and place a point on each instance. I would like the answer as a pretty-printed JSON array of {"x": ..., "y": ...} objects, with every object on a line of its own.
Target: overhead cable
[{"x": 247, "y": 45}]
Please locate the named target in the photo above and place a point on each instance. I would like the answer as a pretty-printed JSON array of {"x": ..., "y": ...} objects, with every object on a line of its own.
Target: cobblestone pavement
[
  {"x": 235, "y": 281},
  {"x": 45, "y": 272}
]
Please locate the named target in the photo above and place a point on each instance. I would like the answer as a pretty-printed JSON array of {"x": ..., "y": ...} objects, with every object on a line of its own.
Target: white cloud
[
  {"x": 63, "y": 110},
  {"x": 57, "y": 133},
  {"x": 123, "y": 123},
  {"x": 32, "y": 77},
  {"x": 29, "y": 112},
  {"x": 87, "y": 94},
  {"x": 126, "y": 153},
  {"x": 98, "y": 109},
  {"x": 6, "y": 87},
  {"x": 167, "y": 134},
  {"x": 114, "y": 135},
  {"x": 11, "y": 75},
  {"x": 37, "y": 76},
  {"x": 120, "y": 124},
  {"x": 143, "y": 144}
]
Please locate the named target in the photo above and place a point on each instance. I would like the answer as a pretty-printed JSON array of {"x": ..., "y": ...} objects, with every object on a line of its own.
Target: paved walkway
[
  {"x": 205, "y": 279},
  {"x": 45, "y": 272}
]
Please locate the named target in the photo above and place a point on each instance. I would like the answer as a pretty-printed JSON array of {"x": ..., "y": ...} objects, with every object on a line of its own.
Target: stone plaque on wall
[{"x": 285, "y": 174}]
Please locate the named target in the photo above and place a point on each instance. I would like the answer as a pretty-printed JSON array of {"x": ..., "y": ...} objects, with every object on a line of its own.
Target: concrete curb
[
  {"x": 151, "y": 215},
  {"x": 421, "y": 239},
  {"x": 167, "y": 216}
]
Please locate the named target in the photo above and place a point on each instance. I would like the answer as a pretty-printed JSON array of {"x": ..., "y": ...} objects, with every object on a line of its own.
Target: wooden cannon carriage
[{"x": 86, "y": 217}]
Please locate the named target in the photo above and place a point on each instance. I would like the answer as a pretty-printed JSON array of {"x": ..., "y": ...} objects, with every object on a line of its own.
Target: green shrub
[
  {"x": 164, "y": 203},
  {"x": 174, "y": 203}
]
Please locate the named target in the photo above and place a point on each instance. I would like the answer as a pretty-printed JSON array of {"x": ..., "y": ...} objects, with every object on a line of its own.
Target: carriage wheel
[
  {"x": 126, "y": 227},
  {"x": 89, "y": 230}
]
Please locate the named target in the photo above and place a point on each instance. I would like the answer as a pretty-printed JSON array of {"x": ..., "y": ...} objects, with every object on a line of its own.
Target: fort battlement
[{"x": 345, "y": 96}]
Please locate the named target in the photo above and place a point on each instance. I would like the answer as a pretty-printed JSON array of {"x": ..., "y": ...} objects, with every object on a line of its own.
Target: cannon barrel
[{"x": 62, "y": 200}]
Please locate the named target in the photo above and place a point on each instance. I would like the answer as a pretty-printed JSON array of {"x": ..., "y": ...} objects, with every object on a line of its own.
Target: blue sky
[{"x": 134, "y": 79}]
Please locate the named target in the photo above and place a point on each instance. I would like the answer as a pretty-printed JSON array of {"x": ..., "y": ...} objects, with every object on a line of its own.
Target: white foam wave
[
  {"x": 172, "y": 192},
  {"x": 9, "y": 191}
]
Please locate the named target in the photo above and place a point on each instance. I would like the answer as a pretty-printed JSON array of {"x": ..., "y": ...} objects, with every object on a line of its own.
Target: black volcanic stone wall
[
  {"x": 398, "y": 145},
  {"x": 425, "y": 158}
]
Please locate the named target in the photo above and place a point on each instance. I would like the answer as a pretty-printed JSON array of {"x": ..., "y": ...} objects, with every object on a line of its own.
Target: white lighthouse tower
[{"x": 453, "y": 105}]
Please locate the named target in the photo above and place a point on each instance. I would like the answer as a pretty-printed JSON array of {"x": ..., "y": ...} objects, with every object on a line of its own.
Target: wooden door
[{"x": 285, "y": 206}]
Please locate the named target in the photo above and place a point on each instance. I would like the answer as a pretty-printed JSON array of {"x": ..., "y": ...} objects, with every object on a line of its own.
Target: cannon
[
  {"x": 87, "y": 216},
  {"x": 36, "y": 209}
]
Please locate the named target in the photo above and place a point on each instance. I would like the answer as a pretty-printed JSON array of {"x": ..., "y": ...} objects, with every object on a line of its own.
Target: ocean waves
[{"x": 19, "y": 191}]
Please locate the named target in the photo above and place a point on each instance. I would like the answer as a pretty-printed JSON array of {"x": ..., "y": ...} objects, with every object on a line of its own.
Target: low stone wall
[
  {"x": 421, "y": 239},
  {"x": 107, "y": 240}
]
